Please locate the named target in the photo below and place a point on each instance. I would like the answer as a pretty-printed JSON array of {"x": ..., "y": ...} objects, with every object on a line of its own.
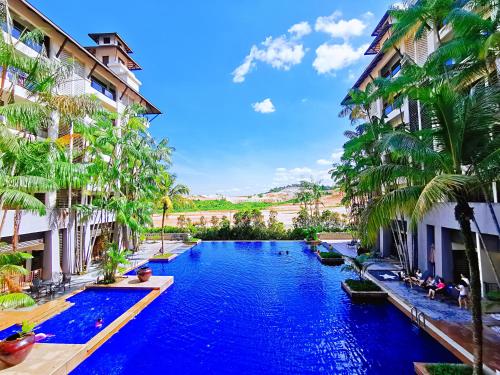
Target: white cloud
[
  {"x": 285, "y": 176},
  {"x": 300, "y": 29},
  {"x": 340, "y": 28},
  {"x": 265, "y": 106},
  {"x": 368, "y": 15},
  {"x": 323, "y": 162},
  {"x": 331, "y": 57},
  {"x": 334, "y": 158},
  {"x": 241, "y": 71},
  {"x": 281, "y": 53}
]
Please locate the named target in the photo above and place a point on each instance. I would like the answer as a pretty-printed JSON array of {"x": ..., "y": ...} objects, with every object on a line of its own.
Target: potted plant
[
  {"x": 312, "y": 238},
  {"x": 15, "y": 348},
  {"x": 144, "y": 273}
]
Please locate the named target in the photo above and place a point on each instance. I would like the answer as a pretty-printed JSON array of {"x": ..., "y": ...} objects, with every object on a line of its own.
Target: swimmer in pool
[{"x": 99, "y": 322}]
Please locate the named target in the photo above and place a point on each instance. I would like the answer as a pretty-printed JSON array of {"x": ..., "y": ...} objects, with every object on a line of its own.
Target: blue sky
[{"x": 303, "y": 56}]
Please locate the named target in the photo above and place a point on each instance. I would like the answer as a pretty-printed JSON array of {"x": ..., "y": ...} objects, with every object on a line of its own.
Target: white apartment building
[
  {"x": 104, "y": 69},
  {"x": 437, "y": 245}
]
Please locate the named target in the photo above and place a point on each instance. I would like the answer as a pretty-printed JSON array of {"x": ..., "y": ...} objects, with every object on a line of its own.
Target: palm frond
[{"x": 15, "y": 300}]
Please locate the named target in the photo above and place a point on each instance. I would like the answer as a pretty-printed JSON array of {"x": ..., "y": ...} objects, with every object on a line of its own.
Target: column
[
  {"x": 481, "y": 275},
  {"x": 51, "y": 261},
  {"x": 385, "y": 241},
  {"x": 68, "y": 253},
  {"x": 86, "y": 241}
]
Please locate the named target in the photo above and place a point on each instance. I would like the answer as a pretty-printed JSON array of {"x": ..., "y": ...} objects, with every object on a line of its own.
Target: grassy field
[{"x": 224, "y": 205}]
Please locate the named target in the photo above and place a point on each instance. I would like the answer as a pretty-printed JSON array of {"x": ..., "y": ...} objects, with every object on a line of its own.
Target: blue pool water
[
  {"x": 76, "y": 325},
  {"x": 241, "y": 308}
]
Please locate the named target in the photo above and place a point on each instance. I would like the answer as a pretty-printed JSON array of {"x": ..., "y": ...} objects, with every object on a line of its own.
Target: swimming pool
[
  {"x": 241, "y": 307},
  {"x": 76, "y": 325}
]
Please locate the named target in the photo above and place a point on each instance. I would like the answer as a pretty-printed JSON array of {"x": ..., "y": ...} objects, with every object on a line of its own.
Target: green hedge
[
  {"x": 362, "y": 285},
  {"x": 237, "y": 233},
  {"x": 330, "y": 255},
  {"x": 449, "y": 369},
  {"x": 493, "y": 296}
]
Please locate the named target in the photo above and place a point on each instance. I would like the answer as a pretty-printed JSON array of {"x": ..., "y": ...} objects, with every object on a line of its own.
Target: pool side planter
[
  {"x": 165, "y": 258},
  {"x": 192, "y": 242},
  {"x": 372, "y": 295},
  {"x": 422, "y": 369},
  {"x": 330, "y": 259}
]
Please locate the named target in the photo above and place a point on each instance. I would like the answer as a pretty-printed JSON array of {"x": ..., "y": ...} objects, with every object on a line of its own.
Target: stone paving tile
[{"x": 435, "y": 309}]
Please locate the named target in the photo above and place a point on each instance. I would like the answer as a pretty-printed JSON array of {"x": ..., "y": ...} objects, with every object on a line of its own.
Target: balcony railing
[
  {"x": 17, "y": 31},
  {"x": 103, "y": 89}
]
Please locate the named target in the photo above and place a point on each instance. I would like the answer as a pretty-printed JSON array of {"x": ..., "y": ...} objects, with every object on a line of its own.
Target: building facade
[
  {"x": 437, "y": 244},
  {"x": 105, "y": 70}
]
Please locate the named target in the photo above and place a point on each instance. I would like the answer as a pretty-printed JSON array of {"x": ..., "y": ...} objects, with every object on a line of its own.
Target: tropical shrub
[
  {"x": 113, "y": 260},
  {"x": 10, "y": 268},
  {"x": 328, "y": 255},
  {"x": 448, "y": 369},
  {"x": 493, "y": 295}
]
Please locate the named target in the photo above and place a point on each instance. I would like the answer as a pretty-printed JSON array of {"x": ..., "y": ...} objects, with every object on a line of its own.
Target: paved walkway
[
  {"x": 445, "y": 315},
  {"x": 343, "y": 248},
  {"x": 146, "y": 251}
]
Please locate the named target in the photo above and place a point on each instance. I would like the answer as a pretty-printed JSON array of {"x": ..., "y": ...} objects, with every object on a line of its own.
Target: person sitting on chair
[
  {"x": 439, "y": 288},
  {"x": 417, "y": 278}
]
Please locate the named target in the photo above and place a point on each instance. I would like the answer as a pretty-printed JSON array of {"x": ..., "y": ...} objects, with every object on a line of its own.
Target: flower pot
[
  {"x": 314, "y": 242},
  {"x": 15, "y": 349},
  {"x": 144, "y": 273}
]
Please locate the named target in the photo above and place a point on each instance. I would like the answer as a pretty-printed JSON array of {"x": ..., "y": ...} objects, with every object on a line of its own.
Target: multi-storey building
[
  {"x": 105, "y": 70},
  {"x": 437, "y": 244}
]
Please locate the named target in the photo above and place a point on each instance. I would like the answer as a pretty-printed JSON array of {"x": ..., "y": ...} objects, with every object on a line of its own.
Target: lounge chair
[
  {"x": 37, "y": 287},
  {"x": 66, "y": 281},
  {"x": 352, "y": 243}
]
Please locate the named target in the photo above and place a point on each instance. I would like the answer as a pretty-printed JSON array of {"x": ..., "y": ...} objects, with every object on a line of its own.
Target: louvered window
[{"x": 422, "y": 51}]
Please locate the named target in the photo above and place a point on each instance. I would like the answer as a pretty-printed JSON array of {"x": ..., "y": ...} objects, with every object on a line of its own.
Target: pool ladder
[{"x": 418, "y": 317}]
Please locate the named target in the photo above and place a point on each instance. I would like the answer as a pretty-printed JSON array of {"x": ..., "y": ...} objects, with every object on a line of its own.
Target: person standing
[{"x": 463, "y": 297}]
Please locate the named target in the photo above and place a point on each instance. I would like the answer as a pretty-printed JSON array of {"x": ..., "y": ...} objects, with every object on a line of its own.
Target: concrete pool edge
[
  {"x": 458, "y": 350},
  {"x": 42, "y": 359}
]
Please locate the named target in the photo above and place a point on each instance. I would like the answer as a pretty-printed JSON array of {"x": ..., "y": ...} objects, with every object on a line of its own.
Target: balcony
[
  {"x": 17, "y": 31},
  {"x": 103, "y": 89}
]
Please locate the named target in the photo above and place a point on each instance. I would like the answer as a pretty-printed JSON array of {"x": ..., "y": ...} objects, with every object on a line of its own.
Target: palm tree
[
  {"x": 416, "y": 20},
  {"x": 439, "y": 165},
  {"x": 170, "y": 193}
]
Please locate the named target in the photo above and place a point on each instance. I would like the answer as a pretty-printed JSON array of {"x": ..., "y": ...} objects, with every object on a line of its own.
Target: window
[
  {"x": 106, "y": 40},
  {"x": 106, "y": 90},
  {"x": 392, "y": 71},
  {"x": 389, "y": 107},
  {"x": 105, "y": 60},
  {"x": 19, "y": 29},
  {"x": 121, "y": 61}
]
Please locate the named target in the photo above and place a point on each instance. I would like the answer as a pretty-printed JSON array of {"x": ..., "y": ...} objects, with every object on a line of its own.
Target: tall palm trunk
[
  {"x": 163, "y": 226},
  {"x": 464, "y": 214},
  {"x": 17, "y": 225}
]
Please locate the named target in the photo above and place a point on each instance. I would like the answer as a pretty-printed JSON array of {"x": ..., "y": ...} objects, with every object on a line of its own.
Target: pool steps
[{"x": 459, "y": 351}]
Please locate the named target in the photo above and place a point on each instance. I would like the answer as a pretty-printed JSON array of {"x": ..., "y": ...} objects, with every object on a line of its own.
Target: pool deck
[
  {"x": 58, "y": 359},
  {"x": 160, "y": 283},
  {"x": 445, "y": 322}
]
